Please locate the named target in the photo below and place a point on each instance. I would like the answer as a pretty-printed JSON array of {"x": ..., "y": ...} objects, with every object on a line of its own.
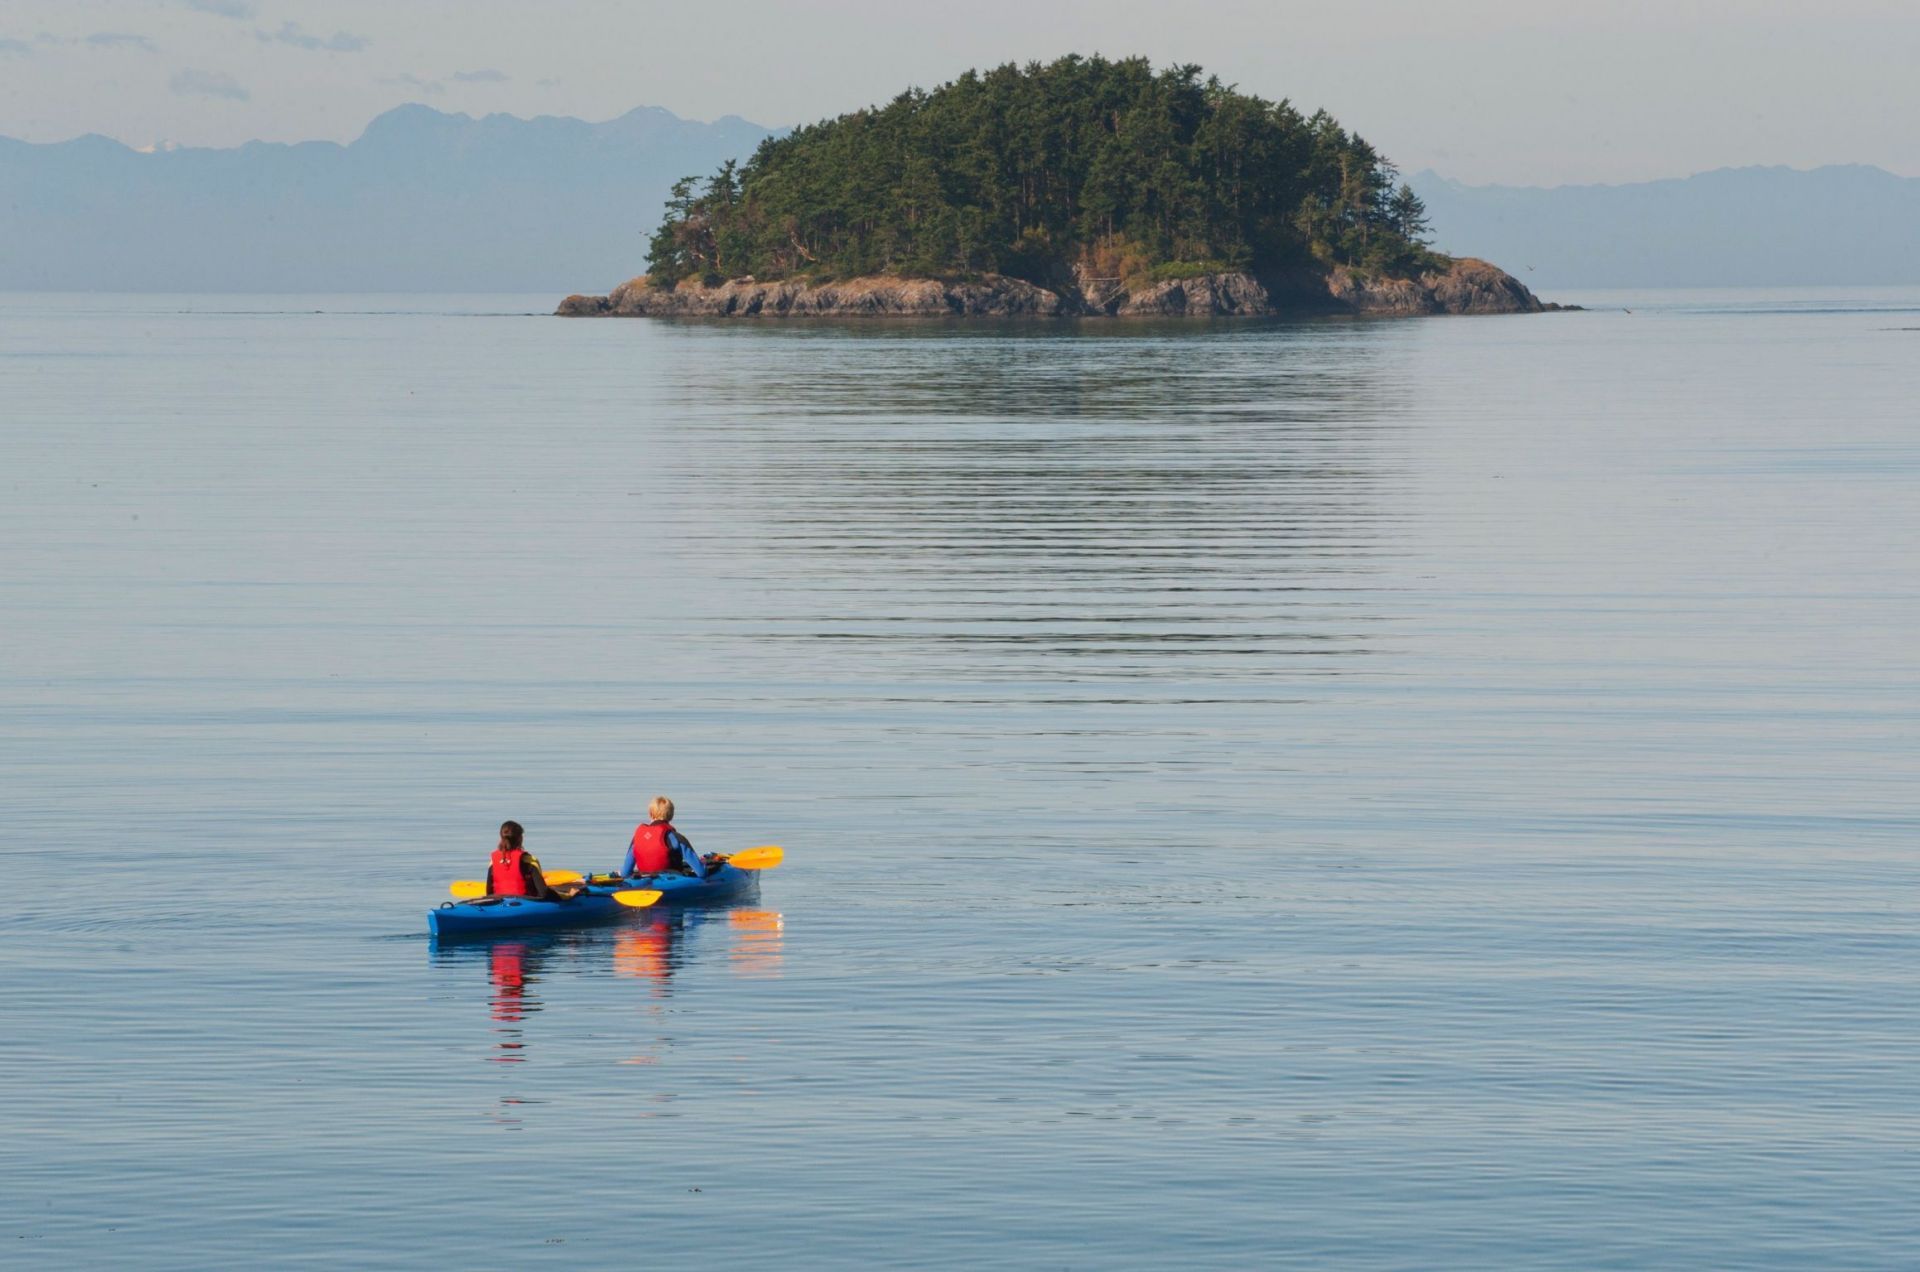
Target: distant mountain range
[
  {"x": 427, "y": 201},
  {"x": 421, "y": 201},
  {"x": 1734, "y": 227}
]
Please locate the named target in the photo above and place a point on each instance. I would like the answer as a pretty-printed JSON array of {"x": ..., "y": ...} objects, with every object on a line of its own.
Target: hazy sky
[{"x": 1520, "y": 91}]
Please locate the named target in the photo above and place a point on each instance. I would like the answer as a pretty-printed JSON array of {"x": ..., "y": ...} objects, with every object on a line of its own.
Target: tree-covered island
[{"x": 1080, "y": 186}]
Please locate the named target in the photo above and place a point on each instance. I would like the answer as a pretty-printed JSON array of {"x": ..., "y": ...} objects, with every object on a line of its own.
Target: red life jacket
[
  {"x": 650, "y": 848},
  {"x": 505, "y": 878}
]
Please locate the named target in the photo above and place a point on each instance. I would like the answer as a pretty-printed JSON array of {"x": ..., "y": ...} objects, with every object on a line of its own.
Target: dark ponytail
[{"x": 511, "y": 834}]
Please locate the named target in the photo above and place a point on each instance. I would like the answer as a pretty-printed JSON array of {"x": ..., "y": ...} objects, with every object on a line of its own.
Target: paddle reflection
[
  {"x": 646, "y": 952},
  {"x": 654, "y": 950},
  {"x": 757, "y": 937}
]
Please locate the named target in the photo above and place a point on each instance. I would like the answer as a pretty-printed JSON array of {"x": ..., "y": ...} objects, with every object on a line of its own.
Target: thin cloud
[
  {"x": 414, "y": 81},
  {"x": 208, "y": 84},
  {"x": 98, "y": 40},
  {"x": 224, "y": 8},
  {"x": 118, "y": 40},
  {"x": 487, "y": 76},
  {"x": 549, "y": 83},
  {"x": 292, "y": 33}
]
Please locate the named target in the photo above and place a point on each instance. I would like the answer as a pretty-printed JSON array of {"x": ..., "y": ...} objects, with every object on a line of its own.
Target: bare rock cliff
[
  {"x": 882, "y": 297},
  {"x": 1467, "y": 286},
  {"x": 1201, "y": 296}
]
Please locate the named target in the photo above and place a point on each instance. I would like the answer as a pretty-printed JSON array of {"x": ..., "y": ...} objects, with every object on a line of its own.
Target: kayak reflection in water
[
  {"x": 512, "y": 871},
  {"x": 658, "y": 946},
  {"x": 657, "y": 848}
]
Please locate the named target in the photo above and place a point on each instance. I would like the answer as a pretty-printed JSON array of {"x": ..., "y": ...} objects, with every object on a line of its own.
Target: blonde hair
[{"x": 661, "y": 809}]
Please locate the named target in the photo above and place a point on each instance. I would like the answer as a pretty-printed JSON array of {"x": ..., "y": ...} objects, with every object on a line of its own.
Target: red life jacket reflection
[
  {"x": 507, "y": 966},
  {"x": 650, "y": 848},
  {"x": 505, "y": 878}
]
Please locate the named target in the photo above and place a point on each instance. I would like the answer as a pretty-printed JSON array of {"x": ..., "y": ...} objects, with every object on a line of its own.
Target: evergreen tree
[
  {"x": 1408, "y": 215},
  {"x": 1031, "y": 170}
]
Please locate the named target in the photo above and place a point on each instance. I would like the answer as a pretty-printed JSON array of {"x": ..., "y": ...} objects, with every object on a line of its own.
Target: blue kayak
[{"x": 593, "y": 907}]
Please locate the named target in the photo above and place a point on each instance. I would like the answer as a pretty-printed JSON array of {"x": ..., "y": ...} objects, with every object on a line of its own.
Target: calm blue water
[{"x": 1408, "y": 794}]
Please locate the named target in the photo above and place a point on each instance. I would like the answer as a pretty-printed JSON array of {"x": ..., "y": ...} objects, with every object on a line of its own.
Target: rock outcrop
[
  {"x": 880, "y": 297},
  {"x": 1201, "y": 296},
  {"x": 1467, "y": 286}
]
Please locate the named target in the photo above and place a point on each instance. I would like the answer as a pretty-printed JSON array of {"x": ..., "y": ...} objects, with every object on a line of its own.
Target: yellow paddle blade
[
  {"x": 467, "y": 889},
  {"x": 556, "y": 877},
  {"x": 764, "y": 858},
  {"x": 638, "y": 898}
]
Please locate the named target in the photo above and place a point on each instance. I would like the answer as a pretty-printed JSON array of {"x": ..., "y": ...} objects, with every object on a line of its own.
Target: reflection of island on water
[{"x": 1144, "y": 501}]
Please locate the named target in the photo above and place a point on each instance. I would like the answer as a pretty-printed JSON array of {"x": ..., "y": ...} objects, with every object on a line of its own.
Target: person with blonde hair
[{"x": 657, "y": 848}]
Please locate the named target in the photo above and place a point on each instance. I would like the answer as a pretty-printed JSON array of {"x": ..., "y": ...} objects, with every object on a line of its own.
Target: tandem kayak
[{"x": 593, "y": 907}]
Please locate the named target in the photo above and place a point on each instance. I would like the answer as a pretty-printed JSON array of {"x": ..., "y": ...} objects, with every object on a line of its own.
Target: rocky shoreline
[{"x": 1468, "y": 286}]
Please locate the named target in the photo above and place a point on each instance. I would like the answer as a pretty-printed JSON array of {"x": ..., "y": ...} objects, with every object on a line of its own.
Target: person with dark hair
[{"x": 512, "y": 871}]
